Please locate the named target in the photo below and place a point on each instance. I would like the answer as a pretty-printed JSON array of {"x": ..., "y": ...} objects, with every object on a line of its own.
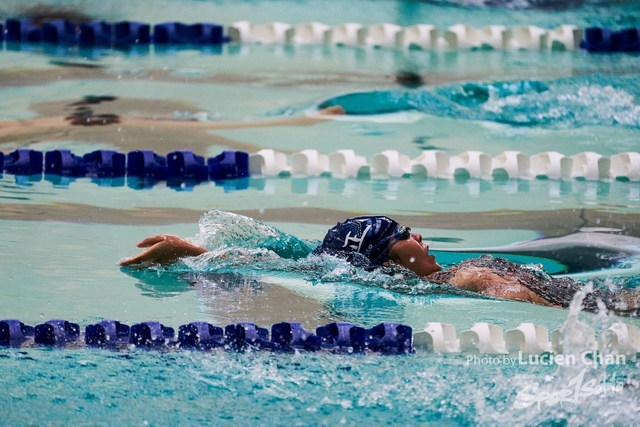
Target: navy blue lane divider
[
  {"x": 105, "y": 163},
  {"x": 130, "y": 32},
  {"x": 630, "y": 39},
  {"x": 229, "y": 165},
  {"x": 63, "y": 162},
  {"x": 1, "y": 32},
  {"x": 344, "y": 337},
  {"x": 59, "y": 32},
  {"x": 107, "y": 332},
  {"x": 201, "y": 335},
  {"x": 390, "y": 337},
  {"x": 95, "y": 33},
  {"x": 23, "y": 162},
  {"x": 14, "y": 332},
  {"x": 150, "y": 334},
  {"x": 146, "y": 163},
  {"x": 606, "y": 40},
  {"x": 339, "y": 337},
  {"x": 100, "y": 33},
  {"x": 179, "y": 33},
  {"x": 247, "y": 335},
  {"x": 56, "y": 332},
  {"x": 22, "y": 30},
  {"x": 186, "y": 165},
  {"x": 1, "y": 162},
  {"x": 288, "y": 336}
]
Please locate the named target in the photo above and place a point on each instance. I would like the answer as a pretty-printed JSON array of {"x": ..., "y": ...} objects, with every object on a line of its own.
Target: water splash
[
  {"x": 220, "y": 230},
  {"x": 561, "y": 103}
]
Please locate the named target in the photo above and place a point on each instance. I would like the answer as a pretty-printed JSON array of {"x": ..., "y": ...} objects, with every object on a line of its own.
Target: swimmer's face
[{"x": 413, "y": 254}]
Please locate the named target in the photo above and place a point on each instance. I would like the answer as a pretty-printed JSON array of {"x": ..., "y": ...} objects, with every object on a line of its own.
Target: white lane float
[
  {"x": 437, "y": 337},
  {"x": 550, "y": 165},
  {"x": 269, "y": 33},
  {"x": 620, "y": 339},
  {"x": 528, "y": 338},
  {"x": 565, "y": 37},
  {"x": 309, "y": 163},
  {"x": 431, "y": 163},
  {"x": 461, "y": 36},
  {"x": 590, "y": 166},
  {"x": 390, "y": 163},
  {"x": 511, "y": 165},
  {"x": 421, "y": 36},
  {"x": 483, "y": 338},
  {"x": 267, "y": 162},
  {"x": 307, "y": 33},
  {"x": 626, "y": 166},
  {"x": 526, "y": 37},
  {"x": 346, "y": 164},
  {"x": 378, "y": 35},
  {"x": 343, "y": 35},
  {"x": 474, "y": 164}
]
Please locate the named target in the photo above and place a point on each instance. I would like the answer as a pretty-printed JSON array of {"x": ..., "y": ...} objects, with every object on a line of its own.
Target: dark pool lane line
[{"x": 550, "y": 223}]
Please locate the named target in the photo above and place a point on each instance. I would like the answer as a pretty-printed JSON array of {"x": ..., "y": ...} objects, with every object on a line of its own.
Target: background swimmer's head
[{"x": 371, "y": 236}]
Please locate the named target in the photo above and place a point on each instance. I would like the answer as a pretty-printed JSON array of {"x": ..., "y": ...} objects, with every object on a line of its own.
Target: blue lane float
[
  {"x": 289, "y": 336},
  {"x": 13, "y": 332},
  {"x": 23, "y": 162},
  {"x": 229, "y": 165},
  {"x": 245, "y": 335},
  {"x": 151, "y": 334},
  {"x": 342, "y": 337},
  {"x": 130, "y": 32},
  {"x": 183, "y": 164},
  {"x": 146, "y": 163},
  {"x": 63, "y": 162},
  {"x": 95, "y": 33},
  {"x": 179, "y": 33},
  {"x": 57, "y": 332},
  {"x": 605, "y": 40},
  {"x": 59, "y": 32},
  {"x": 201, "y": 336},
  {"x": 338, "y": 337},
  {"x": 107, "y": 332},
  {"x": 22, "y": 30},
  {"x": 105, "y": 163},
  {"x": 630, "y": 39}
]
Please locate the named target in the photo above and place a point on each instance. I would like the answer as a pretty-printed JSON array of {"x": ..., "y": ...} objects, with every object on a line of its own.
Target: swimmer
[{"x": 374, "y": 242}]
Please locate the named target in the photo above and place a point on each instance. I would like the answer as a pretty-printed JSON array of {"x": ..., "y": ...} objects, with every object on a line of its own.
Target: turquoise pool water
[{"x": 63, "y": 237}]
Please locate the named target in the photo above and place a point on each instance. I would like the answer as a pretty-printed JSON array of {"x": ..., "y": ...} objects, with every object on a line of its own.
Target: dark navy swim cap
[{"x": 371, "y": 236}]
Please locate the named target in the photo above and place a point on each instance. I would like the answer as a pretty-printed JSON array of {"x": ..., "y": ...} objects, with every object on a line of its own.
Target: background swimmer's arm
[
  {"x": 163, "y": 249},
  {"x": 487, "y": 282}
]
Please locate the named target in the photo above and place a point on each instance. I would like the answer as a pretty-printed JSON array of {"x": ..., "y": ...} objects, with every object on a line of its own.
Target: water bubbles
[{"x": 42, "y": 315}]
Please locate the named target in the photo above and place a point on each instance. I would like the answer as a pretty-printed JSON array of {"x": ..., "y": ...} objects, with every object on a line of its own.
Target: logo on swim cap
[{"x": 367, "y": 235}]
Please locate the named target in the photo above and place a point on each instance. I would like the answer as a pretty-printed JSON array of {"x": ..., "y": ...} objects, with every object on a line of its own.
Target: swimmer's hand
[
  {"x": 335, "y": 110},
  {"x": 162, "y": 249}
]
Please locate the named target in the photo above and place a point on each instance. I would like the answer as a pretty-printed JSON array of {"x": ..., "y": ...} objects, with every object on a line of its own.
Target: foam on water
[{"x": 562, "y": 103}]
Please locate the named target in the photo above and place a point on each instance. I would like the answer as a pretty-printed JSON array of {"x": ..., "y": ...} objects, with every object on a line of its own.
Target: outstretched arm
[{"x": 163, "y": 249}]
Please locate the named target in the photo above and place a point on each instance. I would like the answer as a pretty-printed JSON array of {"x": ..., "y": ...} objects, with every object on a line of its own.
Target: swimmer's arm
[
  {"x": 487, "y": 282},
  {"x": 320, "y": 116},
  {"x": 163, "y": 249}
]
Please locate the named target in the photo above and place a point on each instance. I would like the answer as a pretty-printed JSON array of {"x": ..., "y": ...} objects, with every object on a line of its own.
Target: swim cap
[{"x": 371, "y": 236}]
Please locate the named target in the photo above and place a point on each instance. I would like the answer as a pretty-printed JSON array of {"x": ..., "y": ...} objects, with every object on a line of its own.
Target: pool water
[{"x": 62, "y": 237}]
